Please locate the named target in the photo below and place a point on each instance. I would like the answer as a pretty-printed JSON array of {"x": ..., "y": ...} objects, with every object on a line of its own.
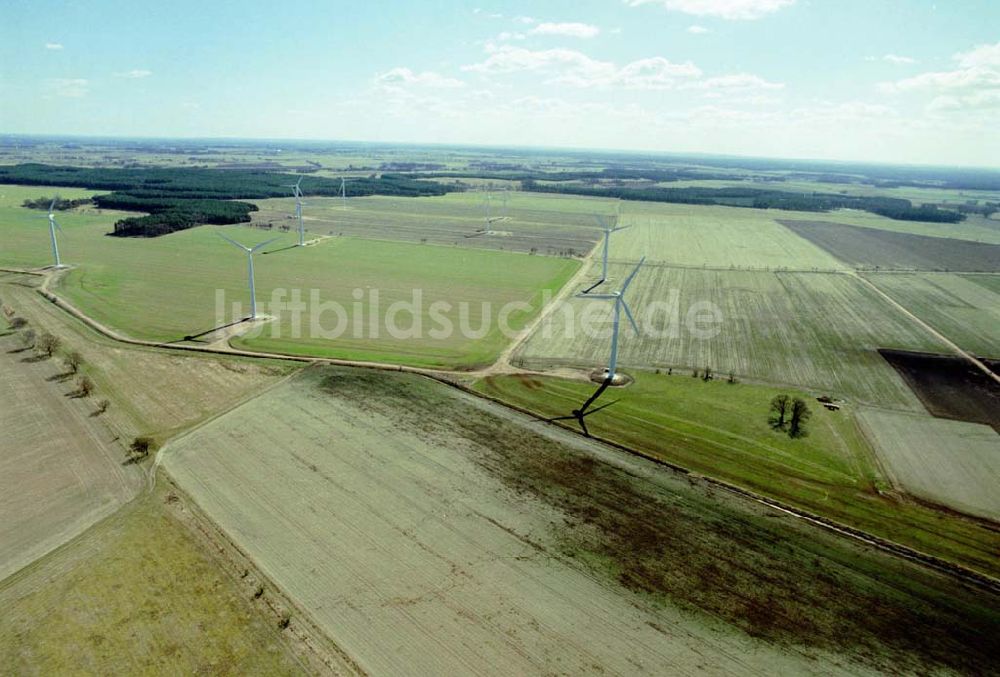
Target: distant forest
[
  {"x": 761, "y": 198},
  {"x": 179, "y": 198}
]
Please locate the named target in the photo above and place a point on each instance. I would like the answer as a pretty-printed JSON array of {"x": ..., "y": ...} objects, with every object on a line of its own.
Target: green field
[
  {"x": 152, "y": 392},
  {"x": 164, "y": 289},
  {"x": 965, "y": 308},
  {"x": 697, "y": 235},
  {"x": 816, "y": 330},
  {"x": 546, "y": 224},
  {"x": 951, "y": 463},
  {"x": 721, "y": 430}
]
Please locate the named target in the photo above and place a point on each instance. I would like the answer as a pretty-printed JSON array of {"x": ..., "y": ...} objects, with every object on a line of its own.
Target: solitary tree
[
  {"x": 47, "y": 344},
  {"x": 73, "y": 361},
  {"x": 18, "y": 323},
  {"x": 779, "y": 410},
  {"x": 707, "y": 375},
  {"x": 84, "y": 386},
  {"x": 102, "y": 406},
  {"x": 800, "y": 414},
  {"x": 140, "y": 448},
  {"x": 28, "y": 338}
]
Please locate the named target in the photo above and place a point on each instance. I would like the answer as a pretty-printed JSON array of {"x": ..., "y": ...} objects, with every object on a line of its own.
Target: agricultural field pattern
[{"x": 237, "y": 495}]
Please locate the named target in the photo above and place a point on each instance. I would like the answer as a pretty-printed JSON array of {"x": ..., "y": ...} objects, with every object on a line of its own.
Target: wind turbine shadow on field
[
  {"x": 620, "y": 306},
  {"x": 196, "y": 338},
  {"x": 283, "y": 249},
  {"x": 580, "y": 414}
]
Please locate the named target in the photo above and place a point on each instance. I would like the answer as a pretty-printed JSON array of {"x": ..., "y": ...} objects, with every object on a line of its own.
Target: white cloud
[
  {"x": 570, "y": 67},
  {"x": 53, "y": 45},
  {"x": 568, "y": 29},
  {"x": 697, "y": 30},
  {"x": 981, "y": 56},
  {"x": 72, "y": 88},
  {"x": 735, "y": 82},
  {"x": 974, "y": 84},
  {"x": 507, "y": 36},
  {"x": 724, "y": 9},
  {"x": 404, "y": 76},
  {"x": 526, "y": 20},
  {"x": 134, "y": 74},
  {"x": 899, "y": 60}
]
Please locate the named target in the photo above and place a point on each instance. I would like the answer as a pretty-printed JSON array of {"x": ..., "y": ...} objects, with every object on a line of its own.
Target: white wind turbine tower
[
  {"x": 343, "y": 193},
  {"x": 609, "y": 226},
  {"x": 619, "y": 299},
  {"x": 250, "y": 252},
  {"x": 53, "y": 225},
  {"x": 297, "y": 192}
]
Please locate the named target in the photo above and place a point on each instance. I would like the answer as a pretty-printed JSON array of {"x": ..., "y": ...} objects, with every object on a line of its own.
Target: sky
[{"x": 900, "y": 81}]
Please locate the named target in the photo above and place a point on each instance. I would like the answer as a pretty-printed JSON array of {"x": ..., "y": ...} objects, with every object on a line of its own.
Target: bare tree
[
  {"x": 102, "y": 406},
  {"x": 17, "y": 323},
  {"x": 140, "y": 448},
  {"x": 84, "y": 386},
  {"x": 779, "y": 410},
  {"x": 800, "y": 414},
  {"x": 707, "y": 374},
  {"x": 28, "y": 338},
  {"x": 73, "y": 360},
  {"x": 47, "y": 344}
]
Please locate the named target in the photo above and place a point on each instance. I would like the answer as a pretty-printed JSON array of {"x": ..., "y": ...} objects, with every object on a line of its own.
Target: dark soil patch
[
  {"x": 674, "y": 540},
  {"x": 886, "y": 249},
  {"x": 949, "y": 386}
]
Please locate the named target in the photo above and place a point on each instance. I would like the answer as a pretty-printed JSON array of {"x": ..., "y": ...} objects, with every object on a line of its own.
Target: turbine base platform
[{"x": 620, "y": 380}]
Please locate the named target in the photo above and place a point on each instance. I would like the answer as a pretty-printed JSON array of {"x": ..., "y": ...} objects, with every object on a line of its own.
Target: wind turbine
[
  {"x": 297, "y": 192},
  {"x": 53, "y": 224},
  {"x": 343, "y": 192},
  {"x": 619, "y": 300},
  {"x": 609, "y": 226},
  {"x": 250, "y": 252}
]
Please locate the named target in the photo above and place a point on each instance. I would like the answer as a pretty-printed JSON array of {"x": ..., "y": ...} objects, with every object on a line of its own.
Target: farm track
[
  {"x": 979, "y": 364},
  {"x": 957, "y": 571}
]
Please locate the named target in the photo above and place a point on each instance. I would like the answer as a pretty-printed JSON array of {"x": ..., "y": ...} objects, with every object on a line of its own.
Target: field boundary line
[
  {"x": 957, "y": 571},
  {"x": 934, "y": 332}
]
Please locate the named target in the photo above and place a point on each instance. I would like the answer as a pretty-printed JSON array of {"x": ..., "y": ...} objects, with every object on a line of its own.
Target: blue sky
[{"x": 882, "y": 80}]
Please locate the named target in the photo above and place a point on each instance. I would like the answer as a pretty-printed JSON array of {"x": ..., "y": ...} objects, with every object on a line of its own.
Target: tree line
[
  {"x": 759, "y": 198},
  {"x": 179, "y": 198}
]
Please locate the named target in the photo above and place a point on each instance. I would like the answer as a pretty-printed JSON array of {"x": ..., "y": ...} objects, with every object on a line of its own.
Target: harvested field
[
  {"x": 951, "y": 463},
  {"x": 60, "y": 468},
  {"x": 382, "y": 504},
  {"x": 949, "y": 386},
  {"x": 152, "y": 392},
  {"x": 966, "y": 308},
  {"x": 871, "y": 248},
  {"x": 548, "y": 224},
  {"x": 816, "y": 330},
  {"x": 136, "y": 594}
]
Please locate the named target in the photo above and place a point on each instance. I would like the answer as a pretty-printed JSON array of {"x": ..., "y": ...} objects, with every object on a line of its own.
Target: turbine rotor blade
[
  {"x": 52, "y": 205},
  {"x": 261, "y": 245},
  {"x": 628, "y": 280},
  {"x": 628, "y": 314},
  {"x": 617, "y": 228},
  {"x": 233, "y": 242},
  {"x": 602, "y": 297}
]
